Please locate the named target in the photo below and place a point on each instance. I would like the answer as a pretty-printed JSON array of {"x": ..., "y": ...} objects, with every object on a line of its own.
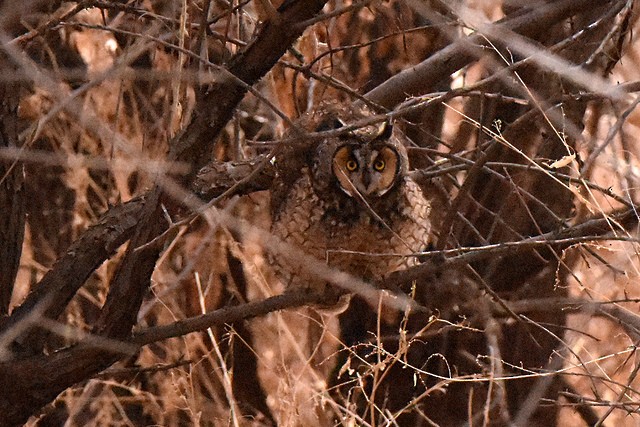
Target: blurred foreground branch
[{"x": 37, "y": 379}]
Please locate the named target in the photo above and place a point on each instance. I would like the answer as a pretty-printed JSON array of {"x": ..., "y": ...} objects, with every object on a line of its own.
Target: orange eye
[
  {"x": 379, "y": 165},
  {"x": 352, "y": 165}
]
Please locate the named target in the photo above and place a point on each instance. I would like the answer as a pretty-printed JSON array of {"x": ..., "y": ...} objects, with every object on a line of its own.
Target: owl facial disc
[{"x": 366, "y": 170}]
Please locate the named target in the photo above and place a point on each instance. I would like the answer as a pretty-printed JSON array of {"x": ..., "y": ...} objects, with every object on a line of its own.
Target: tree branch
[
  {"x": 423, "y": 77},
  {"x": 225, "y": 315},
  {"x": 592, "y": 229},
  {"x": 12, "y": 219},
  {"x": 38, "y": 380}
]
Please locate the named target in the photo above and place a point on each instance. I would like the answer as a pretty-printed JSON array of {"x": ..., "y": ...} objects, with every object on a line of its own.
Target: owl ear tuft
[
  {"x": 330, "y": 123},
  {"x": 385, "y": 130}
]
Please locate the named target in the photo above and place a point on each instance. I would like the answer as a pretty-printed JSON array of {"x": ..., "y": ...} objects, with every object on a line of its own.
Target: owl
[{"x": 347, "y": 200}]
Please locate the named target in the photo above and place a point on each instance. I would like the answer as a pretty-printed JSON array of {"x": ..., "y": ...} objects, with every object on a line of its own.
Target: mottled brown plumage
[{"x": 347, "y": 201}]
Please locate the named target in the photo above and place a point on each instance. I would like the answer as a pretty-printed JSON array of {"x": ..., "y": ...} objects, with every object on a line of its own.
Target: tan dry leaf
[{"x": 564, "y": 161}]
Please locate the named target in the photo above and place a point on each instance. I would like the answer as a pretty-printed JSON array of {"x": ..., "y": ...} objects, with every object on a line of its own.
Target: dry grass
[{"x": 114, "y": 85}]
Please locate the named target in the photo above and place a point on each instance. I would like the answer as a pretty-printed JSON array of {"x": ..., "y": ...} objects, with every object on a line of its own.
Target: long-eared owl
[{"x": 347, "y": 200}]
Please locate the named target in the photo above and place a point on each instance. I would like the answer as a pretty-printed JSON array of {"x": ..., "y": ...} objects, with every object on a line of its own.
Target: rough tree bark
[
  {"x": 12, "y": 203},
  {"x": 38, "y": 379}
]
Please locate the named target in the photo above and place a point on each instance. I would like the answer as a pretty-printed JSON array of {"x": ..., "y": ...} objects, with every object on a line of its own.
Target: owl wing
[{"x": 289, "y": 163}]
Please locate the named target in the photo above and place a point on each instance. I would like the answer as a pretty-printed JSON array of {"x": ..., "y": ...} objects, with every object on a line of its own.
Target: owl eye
[
  {"x": 352, "y": 165},
  {"x": 379, "y": 165}
]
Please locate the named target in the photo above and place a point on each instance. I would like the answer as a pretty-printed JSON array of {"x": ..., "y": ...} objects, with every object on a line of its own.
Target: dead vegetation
[{"x": 135, "y": 148}]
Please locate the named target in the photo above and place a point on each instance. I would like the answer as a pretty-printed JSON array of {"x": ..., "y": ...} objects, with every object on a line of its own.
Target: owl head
[{"x": 366, "y": 163}]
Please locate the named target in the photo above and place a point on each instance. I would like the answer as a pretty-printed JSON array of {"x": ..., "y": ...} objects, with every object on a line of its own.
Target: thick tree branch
[
  {"x": 40, "y": 379},
  {"x": 12, "y": 197},
  {"x": 36, "y": 379},
  {"x": 97, "y": 244},
  {"x": 423, "y": 77}
]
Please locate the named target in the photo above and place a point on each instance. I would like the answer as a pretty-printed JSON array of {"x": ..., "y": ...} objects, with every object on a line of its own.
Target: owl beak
[
  {"x": 366, "y": 181},
  {"x": 365, "y": 185}
]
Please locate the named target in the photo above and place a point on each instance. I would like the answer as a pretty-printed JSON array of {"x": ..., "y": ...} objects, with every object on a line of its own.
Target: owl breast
[
  {"x": 367, "y": 240},
  {"x": 346, "y": 200}
]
